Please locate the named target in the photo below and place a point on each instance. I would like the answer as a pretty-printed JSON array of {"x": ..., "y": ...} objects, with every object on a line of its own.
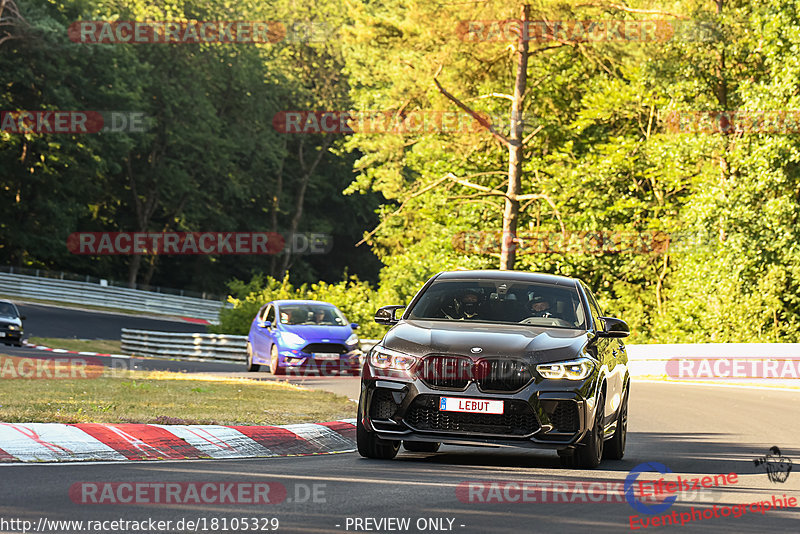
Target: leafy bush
[{"x": 357, "y": 300}]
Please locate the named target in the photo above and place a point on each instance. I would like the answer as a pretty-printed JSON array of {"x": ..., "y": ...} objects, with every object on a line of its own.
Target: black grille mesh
[
  {"x": 440, "y": 371},
  {"x": 517, "y": 419},
  {"x": 565, "y": 417},
  {"x": 325, "y": 347},
  {"x": 449, "y": 372},
  {"x": 383, "y": 405},
  {"x": 502, "y": 375}
]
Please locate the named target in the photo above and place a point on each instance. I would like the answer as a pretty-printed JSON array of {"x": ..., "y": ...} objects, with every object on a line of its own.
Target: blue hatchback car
[{"x": 294, "y": 335}]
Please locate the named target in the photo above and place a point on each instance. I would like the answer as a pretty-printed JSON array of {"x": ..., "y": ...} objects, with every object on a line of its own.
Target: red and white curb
[
  {"x": 56, "y": 442},
  {"x": 65, "y": 351}
]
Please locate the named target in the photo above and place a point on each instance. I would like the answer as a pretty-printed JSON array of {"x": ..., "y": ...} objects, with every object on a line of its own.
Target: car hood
[
  {"x": 5, "y": 321},
  {"x": 538, "y": 344},
  {"x": 311, "y": 332}
]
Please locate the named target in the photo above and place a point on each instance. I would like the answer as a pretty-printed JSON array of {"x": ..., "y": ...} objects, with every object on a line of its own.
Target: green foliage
[{"x": 209, "y": 161}]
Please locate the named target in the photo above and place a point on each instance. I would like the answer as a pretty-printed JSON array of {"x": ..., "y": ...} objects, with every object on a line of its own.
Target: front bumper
[
  {"x": 348, "y": 361},
  {"x": 10, "y": 336},
  {"x": 550, "y": 414}
]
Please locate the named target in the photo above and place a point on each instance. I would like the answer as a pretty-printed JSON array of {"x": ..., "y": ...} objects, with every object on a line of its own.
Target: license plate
[
  {"x": 326, "y": 356},
  {"x": 2, "y": 334},
  {"x": 455, "y": 404}
]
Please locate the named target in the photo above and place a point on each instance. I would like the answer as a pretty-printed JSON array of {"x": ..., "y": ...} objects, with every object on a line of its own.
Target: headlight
[
  {"x": 291, "y": 338},
  {"x": 571, "y": 370},
  {"x": 352, "y": 340},
  {"x": 384, "y": 358},
  {"x": 12, "y": 327}
]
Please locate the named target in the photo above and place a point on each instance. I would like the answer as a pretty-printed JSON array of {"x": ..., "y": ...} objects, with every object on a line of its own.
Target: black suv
[
  {"x": 498, "y": 358},
  {"x": 10, "y": 323}
]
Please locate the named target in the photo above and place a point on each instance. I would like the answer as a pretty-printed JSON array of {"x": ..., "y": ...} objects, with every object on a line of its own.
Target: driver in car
[
  {"x": 463, "y": 307},
  {"x": 540, "y": 307},
  {"x": 319, "y": 316}
]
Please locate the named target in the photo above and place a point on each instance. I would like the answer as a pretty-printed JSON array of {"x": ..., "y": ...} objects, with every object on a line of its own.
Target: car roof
[
  {"x": 284, "y": 302},
  {"x": 522, "y": 276}
]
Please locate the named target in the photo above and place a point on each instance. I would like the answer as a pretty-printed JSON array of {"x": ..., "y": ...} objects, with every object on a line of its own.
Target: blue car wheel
[
  {"x": 251, "y": 367},
  {"x": 276, "y": 369}
]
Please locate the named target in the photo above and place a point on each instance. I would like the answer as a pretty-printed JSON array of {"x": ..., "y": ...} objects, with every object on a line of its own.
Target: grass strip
[{"x": 163, "y": 397}]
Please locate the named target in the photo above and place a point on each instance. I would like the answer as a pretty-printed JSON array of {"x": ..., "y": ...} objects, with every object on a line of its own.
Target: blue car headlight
[
  {"x": 352, "y": 340},
  {"x": 291, "y": 338}
]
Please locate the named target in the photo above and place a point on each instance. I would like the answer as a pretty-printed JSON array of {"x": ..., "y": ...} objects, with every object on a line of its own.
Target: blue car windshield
[{"x": 311, "y": 314}]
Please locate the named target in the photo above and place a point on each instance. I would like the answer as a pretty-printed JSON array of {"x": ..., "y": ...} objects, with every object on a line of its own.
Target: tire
[
  {"x": 589, "y": 452},
  {"x": 614, "y": 448},
  {"x": 371, "y": 446},
  {"x": 274, "y": 368},
  {"x": 251, "y": 367},
  {"x": 421, "y": 446}
]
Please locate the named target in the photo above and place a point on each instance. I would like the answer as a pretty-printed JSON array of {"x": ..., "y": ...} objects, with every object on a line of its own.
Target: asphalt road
[
  {"x": 694, "y": 430},
  {"x": 52, "y": 321}
]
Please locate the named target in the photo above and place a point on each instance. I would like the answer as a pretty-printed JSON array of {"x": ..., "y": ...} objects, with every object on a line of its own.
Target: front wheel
[
  {"x": 590, "y": 451},
  {"x": 251, "y": 367},
  {"x": 273, "y": 362},
  {"x": 371, "y": 446},
  {"x": 615, "y": 448}
]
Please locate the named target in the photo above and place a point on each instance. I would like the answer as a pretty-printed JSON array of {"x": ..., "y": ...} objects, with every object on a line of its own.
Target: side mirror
[
  {"x": 22, "y": 317},
  {"x": 614, "y": 328},
  {"x": 354, "y": 326},
  {"x": 264, "y": 324},
  {"x": 385, "y": 315}
]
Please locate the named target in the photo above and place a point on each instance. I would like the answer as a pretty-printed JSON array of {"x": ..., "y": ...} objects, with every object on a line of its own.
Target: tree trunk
[
  {"x": 305, "y": 177},
  {"x": 516, "y": 156},
  {"x": 276, "y": 206}
]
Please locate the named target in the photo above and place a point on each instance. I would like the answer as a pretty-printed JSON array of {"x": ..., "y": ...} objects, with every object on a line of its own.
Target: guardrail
[
  {"x": 212, "y": 347},
  {"x": 644, "y": 361},
  {"x": 217, "y": 347},
  {"x": 70, "y": 291}
]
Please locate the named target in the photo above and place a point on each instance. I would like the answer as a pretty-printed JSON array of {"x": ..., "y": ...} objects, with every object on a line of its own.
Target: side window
[
  {"x": 595, "y": 308},
  {"x": 270, "y": 314}
]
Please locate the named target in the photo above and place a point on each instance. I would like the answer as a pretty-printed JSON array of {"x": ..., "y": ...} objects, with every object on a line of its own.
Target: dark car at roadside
[
  {"x": 498, "y": 358},
  {"x": 10, "y": 323}
]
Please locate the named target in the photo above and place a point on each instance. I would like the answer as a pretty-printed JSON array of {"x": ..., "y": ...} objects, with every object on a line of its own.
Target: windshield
[
  {"x": 318, "y": 314},
  {"x": 501, "y": 301},
  {"x": 8, "y": 310}
]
